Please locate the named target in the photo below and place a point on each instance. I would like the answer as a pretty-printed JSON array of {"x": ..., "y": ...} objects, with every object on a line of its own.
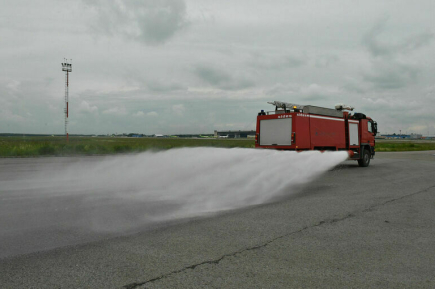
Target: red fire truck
[{"x": 307, "y": 127}]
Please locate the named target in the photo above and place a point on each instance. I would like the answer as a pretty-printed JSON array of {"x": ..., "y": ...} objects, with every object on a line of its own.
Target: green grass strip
[{"x": 57, "y": 146}]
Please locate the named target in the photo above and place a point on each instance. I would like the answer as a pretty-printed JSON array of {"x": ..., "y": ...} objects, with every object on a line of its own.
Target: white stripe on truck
[{"x": 330, "y": 118}]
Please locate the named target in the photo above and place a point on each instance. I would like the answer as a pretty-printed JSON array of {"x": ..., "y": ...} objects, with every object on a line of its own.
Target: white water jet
[{"x": 126, "y": 192}]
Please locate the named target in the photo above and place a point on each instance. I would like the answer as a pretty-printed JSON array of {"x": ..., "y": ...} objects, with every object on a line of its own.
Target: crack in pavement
[
  {"x": 397, "y": 199},
  {"x": 326, "y": 221}
]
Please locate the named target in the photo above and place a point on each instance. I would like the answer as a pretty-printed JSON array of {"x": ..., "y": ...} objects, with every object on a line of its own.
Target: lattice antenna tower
[{"x": 67, "y": 67}]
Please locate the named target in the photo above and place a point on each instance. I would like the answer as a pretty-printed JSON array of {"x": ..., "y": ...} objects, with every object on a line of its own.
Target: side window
[{"x": 369, "y": 126}]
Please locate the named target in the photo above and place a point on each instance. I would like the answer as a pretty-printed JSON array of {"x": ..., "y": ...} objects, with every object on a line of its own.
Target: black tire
[{"x": 365, "y": 161}]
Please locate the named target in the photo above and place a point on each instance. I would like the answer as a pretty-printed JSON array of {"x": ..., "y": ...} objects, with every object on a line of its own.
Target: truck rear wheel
[{"x": 365, "y": 161}]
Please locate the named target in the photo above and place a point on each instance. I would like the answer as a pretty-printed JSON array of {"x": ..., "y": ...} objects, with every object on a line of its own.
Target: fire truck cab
[{"x": 307, "y": 127}]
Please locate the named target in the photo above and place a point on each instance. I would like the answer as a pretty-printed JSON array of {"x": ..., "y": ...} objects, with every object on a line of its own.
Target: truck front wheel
[{"x": 365, "y": 161}]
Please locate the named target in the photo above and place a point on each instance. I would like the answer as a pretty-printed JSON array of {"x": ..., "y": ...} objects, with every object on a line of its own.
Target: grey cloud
[
  {"x": 87, "y": 108},
  {"x": 139, "y": 114},
  {"x": 303, "y": 93},
  {"x": 390, "y": 69},
  {"x": 352, "y": 86},
  {"x": 266, "y": 62},
  {"x": 211, "y": 75},
  {"x": 385, "y": 75},
  {"x": 315, "y": 92},
  {"x": 152, "y": 114},
  {"x": 178, "y": 109},
  {"x": 221, "y": 79},
  {"x": 117, "y": 110},
  {"x": 48, "y": 81},
  {"x": 313, "y": 98},
  {"x": 21, "y": 111},
  {"x": 377, "y": 48},
  {"x": 281, "y": 90},
  {"x": 163, "y": 87},
  {"x": 416, "y": 41},
  {"x": 372, "y": 43},
  {"x": 152, "y": 21},
  {"x": 326, "y": 60},
  {"x": 293, "y": 61},
  {"x": 413, "y": 112}
]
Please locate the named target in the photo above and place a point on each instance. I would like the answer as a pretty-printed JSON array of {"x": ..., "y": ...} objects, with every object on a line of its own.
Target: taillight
[
  {"x": 256, "y": 138},
  {"x": 293, "y": 137}
]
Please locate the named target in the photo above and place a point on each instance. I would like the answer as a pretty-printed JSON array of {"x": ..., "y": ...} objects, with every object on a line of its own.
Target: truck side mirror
[{"x": 375, "y": 128}]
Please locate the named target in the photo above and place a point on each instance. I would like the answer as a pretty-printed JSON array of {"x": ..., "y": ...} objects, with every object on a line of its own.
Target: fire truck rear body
[{"x": 315, "y": 128}]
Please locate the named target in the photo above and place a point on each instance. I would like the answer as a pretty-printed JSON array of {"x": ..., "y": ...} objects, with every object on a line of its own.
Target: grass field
[
  {"x": 408, "y": 145},
  {"x": 56, "y": 146}
]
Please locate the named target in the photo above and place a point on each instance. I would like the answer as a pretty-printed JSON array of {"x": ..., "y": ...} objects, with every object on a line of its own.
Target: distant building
[
  {"x": 402, "y": 136},
  {"x": 397, "y": 136},
  {"x": 234, "y": 134}
]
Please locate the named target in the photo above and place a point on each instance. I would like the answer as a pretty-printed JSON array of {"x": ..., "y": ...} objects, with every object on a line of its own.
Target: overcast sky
[{"x": 195, "y": 66}]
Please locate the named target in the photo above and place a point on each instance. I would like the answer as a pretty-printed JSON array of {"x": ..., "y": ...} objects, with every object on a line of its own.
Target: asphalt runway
[{"x": 351, "y": 228}]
